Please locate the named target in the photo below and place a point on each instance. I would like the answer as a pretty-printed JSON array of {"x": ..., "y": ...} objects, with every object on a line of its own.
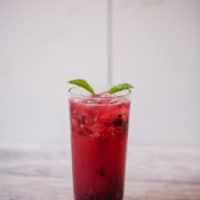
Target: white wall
[
  {"x": 156, "y": 47},
  {"x": 43, "y": 44}
]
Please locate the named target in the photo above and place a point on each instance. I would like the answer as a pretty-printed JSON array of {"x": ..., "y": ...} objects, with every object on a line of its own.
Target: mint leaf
[
  {"x": 120, "y": 87},
  {"x": 82, "y": 83}
]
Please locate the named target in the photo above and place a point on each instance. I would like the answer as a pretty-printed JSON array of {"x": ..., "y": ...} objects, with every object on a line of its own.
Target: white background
[{"x": 156, "y": 46}]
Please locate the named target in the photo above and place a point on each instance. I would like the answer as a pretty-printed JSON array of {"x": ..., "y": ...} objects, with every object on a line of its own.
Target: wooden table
[{"x": 153, "y": 173}]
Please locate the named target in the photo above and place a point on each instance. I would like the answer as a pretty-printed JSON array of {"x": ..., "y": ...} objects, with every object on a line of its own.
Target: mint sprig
[
  {"x": 84, "y": 84},
  {"x": 116, "y": 88},
  {"x": 120, "y": 87}
]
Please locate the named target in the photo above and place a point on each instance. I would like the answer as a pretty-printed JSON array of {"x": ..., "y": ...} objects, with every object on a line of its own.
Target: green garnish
[
  {"x": 120, "y": 87},
  {"x": 82, "y": 83}
]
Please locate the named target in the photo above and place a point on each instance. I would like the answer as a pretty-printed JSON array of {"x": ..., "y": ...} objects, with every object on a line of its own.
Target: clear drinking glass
[{"x": 99, "y": 133}]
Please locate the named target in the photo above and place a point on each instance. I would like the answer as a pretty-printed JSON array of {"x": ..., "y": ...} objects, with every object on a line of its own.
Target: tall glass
[{"x": 99, "y": 133}]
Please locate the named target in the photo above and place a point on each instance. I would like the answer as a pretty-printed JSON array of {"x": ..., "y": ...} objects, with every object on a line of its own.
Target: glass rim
[{"x": 72, "y": 94}]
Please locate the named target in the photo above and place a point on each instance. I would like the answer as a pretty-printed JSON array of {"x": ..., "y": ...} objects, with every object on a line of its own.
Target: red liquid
[{"x": 99, "y": 138}]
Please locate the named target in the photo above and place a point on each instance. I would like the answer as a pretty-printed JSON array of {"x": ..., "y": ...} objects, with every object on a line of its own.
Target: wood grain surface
[{"x": 153, "y": 173}]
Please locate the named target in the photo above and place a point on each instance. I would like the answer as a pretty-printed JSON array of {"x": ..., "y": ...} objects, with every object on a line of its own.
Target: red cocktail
[{"x": 99, "y": 131}]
